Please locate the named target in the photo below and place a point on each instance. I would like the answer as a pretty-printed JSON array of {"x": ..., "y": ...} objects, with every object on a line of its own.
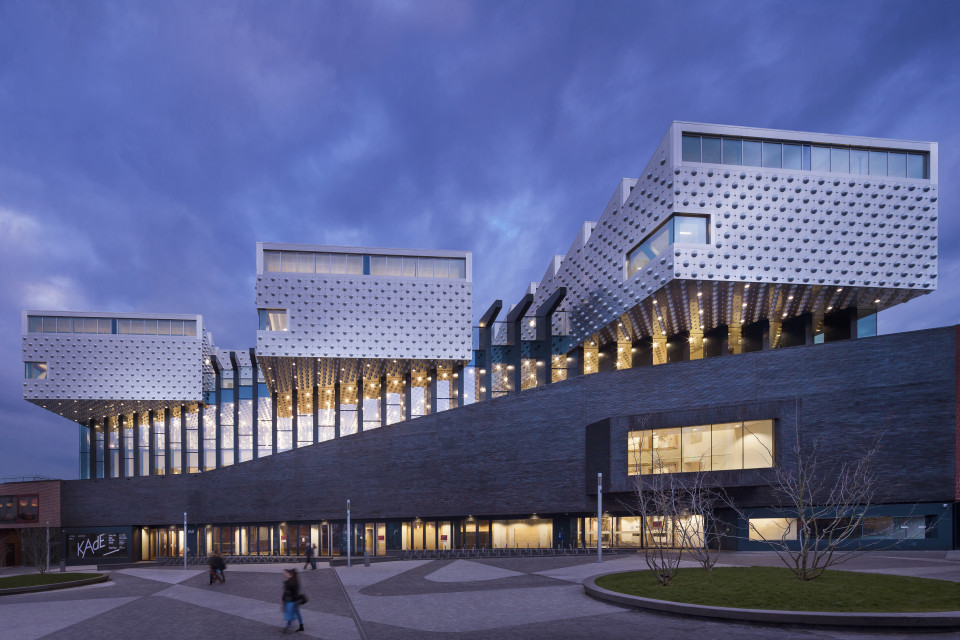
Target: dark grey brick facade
[{"x": 528, "y": 453}]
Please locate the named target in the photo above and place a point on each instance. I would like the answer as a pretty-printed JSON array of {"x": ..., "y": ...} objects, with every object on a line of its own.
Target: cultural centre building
[{"x": 721, "y": 308}]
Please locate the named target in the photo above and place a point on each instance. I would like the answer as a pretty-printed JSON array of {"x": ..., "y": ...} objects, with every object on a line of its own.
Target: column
[
  {"x": 295, "y": 418},
  {"x": 183, "y": 438},
  {"x": 336, "y": 410},
  {"x": 151, "y": 443},
  {"x": 735, "y": 338},
  {"x": 383, "y": 400},
  {"x": 432, "y": 389},
  {"x": 407, "y": 395},
  {"x": 696, "y": 344},
  {"x": 273, "y": 425},
  {"x": 316, "y": 412},
  {"x": 360, "y": 392},
  {"x": 166, "y": 442}
]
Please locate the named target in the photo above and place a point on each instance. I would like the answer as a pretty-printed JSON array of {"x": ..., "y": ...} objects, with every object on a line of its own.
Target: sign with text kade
[{"x": 96, "y": 544}]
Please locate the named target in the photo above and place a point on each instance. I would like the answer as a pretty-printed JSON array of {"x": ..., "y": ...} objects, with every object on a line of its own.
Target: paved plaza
[{"x": 469, "y": 599}]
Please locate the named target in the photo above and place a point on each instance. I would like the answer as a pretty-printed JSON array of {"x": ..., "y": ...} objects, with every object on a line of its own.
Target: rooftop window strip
[
  {"x": 363, "y": 264},
  {"x": 125, "y": 326},
  {"x": 795, "y": 155}
]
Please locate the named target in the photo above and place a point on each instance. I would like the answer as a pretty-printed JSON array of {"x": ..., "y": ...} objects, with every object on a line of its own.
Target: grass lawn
[
  {"x": 36, "y": 579},
  {"x": 777, "y": 588}
]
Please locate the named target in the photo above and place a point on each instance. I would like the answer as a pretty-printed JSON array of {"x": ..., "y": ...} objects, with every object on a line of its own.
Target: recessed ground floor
[{"x": 925, "y": 526}]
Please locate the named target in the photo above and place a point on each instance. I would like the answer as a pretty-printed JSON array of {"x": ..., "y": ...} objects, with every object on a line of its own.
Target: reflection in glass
[
  {"x": 711, "y": 150},
  {"x": 732, "y": 151},
  {"x": 821, "y": 159},
  {"x": 691, "y": 148},
  {"x": 751, "y": 153},
  {"x": 791, "y": 156},
  {"x": 772, "y": 155},
  {"x": 859, "y": 159}
]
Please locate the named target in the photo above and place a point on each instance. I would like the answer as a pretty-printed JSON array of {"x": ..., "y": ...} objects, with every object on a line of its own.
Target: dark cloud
[{"x": 144, "y": 149}]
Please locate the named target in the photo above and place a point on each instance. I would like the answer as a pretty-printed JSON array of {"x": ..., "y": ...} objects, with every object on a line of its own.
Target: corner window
[
  {"x": 678, "y": 228},
  {"x": 273, "y": 319},
  {"x": 35, "y": 370}
]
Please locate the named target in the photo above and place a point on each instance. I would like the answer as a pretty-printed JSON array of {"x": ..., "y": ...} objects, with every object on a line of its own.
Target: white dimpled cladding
[
  {"x": 787, "y": 230},
  {"x": 367, "y": 317},
  {"x": 94, "y": 372}
]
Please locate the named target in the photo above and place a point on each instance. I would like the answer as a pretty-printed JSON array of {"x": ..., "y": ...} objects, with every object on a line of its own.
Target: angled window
[
  {"x": 35, "y": 370},
  {"x": 677, "y": 228},
  {"x": 273, "y": 319}
]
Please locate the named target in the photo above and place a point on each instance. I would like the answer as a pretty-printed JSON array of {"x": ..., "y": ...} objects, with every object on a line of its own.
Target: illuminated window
[
  {"x": 273, "y": 319},
  {"x": 35, "y": 370},
  {"x": 716, "y": 447}
]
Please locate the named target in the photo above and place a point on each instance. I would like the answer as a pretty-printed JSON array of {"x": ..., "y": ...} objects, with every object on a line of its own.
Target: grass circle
[
  {"x": 42, "y": 579},
  {"x": 776, "y": 588}
]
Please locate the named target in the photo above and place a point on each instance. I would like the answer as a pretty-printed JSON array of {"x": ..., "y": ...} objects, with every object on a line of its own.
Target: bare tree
[
  {"x": 659, "y": 502},
  {"x": 823, "y": 507},
  {"x": 34, "y": 544},
  {"x": 699, "y": 533}
]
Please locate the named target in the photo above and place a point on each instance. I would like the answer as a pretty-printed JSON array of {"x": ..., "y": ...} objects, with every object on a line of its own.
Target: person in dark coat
[
  {"x": 217, "y": 565},
  {"x": 292, "y": 599},
  {"x": 311, "y": 559}
]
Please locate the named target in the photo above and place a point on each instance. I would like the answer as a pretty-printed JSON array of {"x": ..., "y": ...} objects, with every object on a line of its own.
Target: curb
[
  {"x": 52, "y": 587},
  {"x": 903, "y": 621}
]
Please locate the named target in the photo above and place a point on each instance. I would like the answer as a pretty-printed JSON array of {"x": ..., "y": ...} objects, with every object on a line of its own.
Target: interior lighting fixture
[{"x": 877, "y": 301}]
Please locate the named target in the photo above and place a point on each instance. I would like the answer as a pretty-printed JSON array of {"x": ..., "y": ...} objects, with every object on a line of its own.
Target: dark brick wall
[{"x": 526, "y": 453}]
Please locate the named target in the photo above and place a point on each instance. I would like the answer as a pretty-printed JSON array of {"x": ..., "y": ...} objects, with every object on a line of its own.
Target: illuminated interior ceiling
[
  {"x": 699, "y": 306},
  {"x": 282, "y": 374},
  {"x": 83, "y": 411}
]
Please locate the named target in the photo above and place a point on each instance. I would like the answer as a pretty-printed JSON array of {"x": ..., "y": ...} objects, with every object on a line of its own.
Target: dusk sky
[{"x": 145, "y": 147}]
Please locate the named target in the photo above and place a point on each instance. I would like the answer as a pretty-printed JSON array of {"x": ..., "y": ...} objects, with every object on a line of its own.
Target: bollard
[
  {"x": 366, "y": 558},
  {"x": 63, "y": 565}
]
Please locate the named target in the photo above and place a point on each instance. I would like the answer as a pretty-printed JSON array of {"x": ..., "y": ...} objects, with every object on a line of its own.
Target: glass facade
[
  {"x": 131, "y": 326},
  {"x": 716, "y": 447},
  {"x": 363, "y": 264},
  {"x": 677, "y": 228},
  {"x": 804, "y": 157}
]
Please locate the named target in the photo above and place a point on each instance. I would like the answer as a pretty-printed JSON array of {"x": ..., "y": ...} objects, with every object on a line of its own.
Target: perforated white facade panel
[
  {"x": 367, "y": 316},
  {"x": 89, "y": 375},
  {"x": 802, "y": 235}
]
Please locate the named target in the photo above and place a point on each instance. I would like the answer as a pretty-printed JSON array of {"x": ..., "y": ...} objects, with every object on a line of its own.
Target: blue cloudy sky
[{"x": 146, "y": 146}]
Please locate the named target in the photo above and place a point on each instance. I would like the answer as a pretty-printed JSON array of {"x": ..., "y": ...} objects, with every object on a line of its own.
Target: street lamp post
[
  {"x": 599, "y": 517},
  {"x": 184, "y": 540},
  {"x": 348, "y": 533}
]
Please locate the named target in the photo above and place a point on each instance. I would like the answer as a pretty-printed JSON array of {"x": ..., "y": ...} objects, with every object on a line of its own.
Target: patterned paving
[{"x": 469, "y": 599}]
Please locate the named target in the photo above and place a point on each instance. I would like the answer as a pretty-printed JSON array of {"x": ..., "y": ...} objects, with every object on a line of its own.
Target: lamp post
[
  {"x": 348, "y": 533},
  {"x": 47, "y": 570},
  {"x": 184, "y": 540},
  {"x": 599, "y": 517}
]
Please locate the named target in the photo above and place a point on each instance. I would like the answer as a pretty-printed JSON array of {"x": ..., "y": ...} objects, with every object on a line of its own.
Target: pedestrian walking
[
  {"x": 311, "y": 558},
  {"x": 292, "y": 599}
]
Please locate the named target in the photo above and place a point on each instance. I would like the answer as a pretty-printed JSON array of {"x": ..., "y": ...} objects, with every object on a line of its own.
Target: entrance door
[{"x": 370, "y": 538}]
